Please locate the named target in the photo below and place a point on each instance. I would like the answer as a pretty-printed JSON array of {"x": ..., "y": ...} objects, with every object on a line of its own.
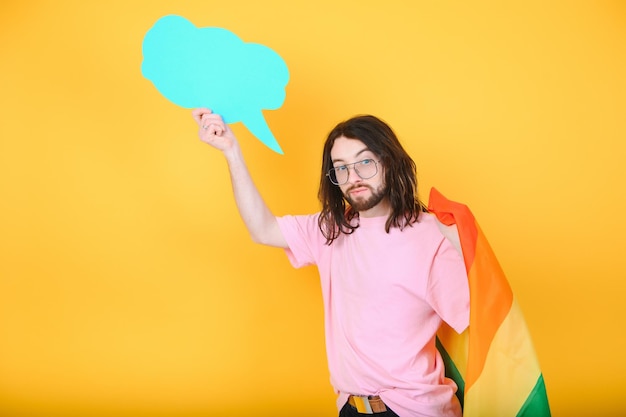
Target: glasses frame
[{"x": 356, "y": 171}]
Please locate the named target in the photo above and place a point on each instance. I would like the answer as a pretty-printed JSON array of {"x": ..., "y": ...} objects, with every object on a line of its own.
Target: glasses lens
[
  {"x": 366, "y": 168},
  {"x": 338, "y": 175}
]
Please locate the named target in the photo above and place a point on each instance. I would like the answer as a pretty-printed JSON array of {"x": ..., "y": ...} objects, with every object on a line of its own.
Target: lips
[{"x": 357, "y": 190}]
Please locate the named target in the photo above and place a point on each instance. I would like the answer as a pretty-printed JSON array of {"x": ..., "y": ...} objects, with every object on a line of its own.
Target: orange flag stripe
[
  {"x": 491, "y": 297},
  {"x": 490, "y": 290}
]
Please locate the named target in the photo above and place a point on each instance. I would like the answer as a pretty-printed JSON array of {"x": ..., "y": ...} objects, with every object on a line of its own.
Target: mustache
[{"x": 359, "y": 186}]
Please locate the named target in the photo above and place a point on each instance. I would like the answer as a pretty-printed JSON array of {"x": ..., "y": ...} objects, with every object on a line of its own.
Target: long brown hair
[{"x": 400, "y": 178}]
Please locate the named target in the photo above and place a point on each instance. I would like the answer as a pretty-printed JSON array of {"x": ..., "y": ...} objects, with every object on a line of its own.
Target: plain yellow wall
[{"x": 128, "y": 285}]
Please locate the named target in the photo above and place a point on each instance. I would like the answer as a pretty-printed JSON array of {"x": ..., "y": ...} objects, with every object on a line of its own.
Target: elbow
[
  {"x": 267, "y": 233},
  {"x": 257, "y": 239},
  {"x": 271, "y": 237},
  {"x": 262, "y": 240}
]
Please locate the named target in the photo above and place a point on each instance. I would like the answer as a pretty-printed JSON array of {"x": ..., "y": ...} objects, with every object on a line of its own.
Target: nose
[{"x": 353, "y": 177}]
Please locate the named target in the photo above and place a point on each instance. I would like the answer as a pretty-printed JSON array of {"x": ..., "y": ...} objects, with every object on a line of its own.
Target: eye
[
  {"x": 367, "y": 161},
  {"x": 341, "y": 168}
]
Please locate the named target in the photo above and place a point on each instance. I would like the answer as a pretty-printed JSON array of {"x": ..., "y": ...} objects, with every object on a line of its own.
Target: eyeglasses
[{"x": 365, "y": 169}]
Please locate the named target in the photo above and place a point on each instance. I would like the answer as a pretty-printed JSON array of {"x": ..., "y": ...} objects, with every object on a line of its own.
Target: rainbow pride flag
[{"x": 493, "y": 362}]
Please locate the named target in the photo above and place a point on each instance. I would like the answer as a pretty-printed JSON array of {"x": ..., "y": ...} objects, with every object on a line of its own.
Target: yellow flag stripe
[
  {"x": 511, "y": 358},
  {"x": 456, "y": 345}
]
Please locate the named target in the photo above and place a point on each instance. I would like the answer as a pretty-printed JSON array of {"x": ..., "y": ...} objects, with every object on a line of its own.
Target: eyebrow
[{"x": 357, "y": 154}]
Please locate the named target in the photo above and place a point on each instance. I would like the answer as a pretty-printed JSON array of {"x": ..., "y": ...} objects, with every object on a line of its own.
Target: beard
[{"x": 363, "y": 204}]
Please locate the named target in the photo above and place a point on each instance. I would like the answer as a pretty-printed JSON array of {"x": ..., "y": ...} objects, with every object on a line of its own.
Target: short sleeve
[
  {"x": 448, "y": 289},
  {"x": 304, "y": 238}
]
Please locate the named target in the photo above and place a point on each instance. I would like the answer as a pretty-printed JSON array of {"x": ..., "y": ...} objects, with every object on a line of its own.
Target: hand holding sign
[{"x": 211, "y": 67}]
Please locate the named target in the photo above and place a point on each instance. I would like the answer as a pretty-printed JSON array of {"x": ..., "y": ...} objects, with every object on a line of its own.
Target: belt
[{"x": 365, "y": 404}]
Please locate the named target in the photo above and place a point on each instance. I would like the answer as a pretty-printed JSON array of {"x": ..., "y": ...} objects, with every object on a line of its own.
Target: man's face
[{"x": 367, "y": 196}]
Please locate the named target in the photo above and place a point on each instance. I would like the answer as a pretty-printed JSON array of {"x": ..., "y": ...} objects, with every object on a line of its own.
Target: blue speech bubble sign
[{"x": 211, "y": 67}]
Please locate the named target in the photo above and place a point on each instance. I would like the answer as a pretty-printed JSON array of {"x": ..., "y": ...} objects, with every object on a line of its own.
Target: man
[{"x": 389, "y": 276}]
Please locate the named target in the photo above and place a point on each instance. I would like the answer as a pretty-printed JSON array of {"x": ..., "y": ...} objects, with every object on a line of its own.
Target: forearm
[
  {"x": 261, "y": 223},
  {"x": 256, "y": 215}
]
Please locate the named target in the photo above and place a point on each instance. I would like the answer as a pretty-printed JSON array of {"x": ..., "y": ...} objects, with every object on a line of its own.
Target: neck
[{"x": 381, "y": 209}]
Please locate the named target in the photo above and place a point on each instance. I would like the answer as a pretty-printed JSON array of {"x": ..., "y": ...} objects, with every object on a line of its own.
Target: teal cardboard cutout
[{"x": 211, "y": 67}]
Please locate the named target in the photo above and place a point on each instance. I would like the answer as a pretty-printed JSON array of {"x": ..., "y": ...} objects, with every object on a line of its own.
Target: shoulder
[
  {"x": 449, "y": 233},
  {"x": 427, "y": 223},
  {"x": 432, "y": 233},
  {"x": 299, "y": 218}
]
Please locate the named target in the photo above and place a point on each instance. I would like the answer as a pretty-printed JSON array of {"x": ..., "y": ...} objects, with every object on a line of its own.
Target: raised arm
[{"x": 258, "y": 218}]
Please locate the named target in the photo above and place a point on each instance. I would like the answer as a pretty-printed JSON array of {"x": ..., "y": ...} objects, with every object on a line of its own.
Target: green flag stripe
[
  {"x": 536, "y": 404},
  {"x": 452, "y": 371}
]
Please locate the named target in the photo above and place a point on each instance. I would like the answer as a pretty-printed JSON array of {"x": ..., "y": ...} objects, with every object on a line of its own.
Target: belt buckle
[{"x": 362, "y": 404}]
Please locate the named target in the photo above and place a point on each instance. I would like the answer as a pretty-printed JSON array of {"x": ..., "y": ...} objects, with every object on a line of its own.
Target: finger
[
  {"x": 218, "y": 130},
  {"x": 199, "y": 113},
  {"x": 213, "y": 129},
  {"x": 212, "y": 119},
  {"x": 210, "y": 116}
]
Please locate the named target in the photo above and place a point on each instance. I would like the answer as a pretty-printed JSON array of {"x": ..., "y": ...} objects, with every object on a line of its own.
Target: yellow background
[{"x": 128, "y": 285}]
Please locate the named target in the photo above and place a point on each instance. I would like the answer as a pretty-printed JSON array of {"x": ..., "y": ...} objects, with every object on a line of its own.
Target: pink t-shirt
[{"x": 385, "y": 296}]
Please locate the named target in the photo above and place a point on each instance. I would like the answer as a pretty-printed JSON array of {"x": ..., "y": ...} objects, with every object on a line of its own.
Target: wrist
[{"x": 233, "y": 153}]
